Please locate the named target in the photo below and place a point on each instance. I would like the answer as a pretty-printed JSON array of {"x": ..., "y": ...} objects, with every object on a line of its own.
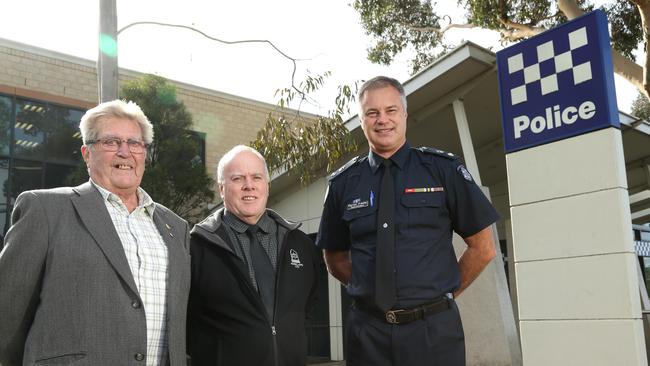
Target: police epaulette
[
  {"x": 444, "y": 154},
  {"x": 343, "y": 168}
]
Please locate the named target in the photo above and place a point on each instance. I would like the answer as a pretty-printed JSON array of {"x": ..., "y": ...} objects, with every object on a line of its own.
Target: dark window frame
[{"x": 43, "y": 161}]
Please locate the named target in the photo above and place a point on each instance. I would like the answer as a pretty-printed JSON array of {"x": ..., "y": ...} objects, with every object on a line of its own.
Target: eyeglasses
[{"x": 113, "y": 144}]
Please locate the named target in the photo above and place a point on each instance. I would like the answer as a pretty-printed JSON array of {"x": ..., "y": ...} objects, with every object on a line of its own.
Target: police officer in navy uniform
[{"x": 393, "y": 250}]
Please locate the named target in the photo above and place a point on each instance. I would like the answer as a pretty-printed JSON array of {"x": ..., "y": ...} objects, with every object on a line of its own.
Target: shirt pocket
[
  {"x": 423, "y": 209},
  {"x": 361, "y": 223}
]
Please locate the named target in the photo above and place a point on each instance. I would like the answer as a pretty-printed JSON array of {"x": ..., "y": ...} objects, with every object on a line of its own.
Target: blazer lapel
[
  {"x": 166, "y": 230},
  {"x": 95, "y": 217},
  {"x": 174, "y": 240}
]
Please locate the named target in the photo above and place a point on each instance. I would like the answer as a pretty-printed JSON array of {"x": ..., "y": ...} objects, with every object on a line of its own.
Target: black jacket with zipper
[{"x": 227, "y": 323}]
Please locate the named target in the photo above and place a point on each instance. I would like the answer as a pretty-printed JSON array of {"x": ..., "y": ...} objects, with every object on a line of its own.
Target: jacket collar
[
  {"x": 398, "y": 158},
  {"x": 209, "y": 227}
]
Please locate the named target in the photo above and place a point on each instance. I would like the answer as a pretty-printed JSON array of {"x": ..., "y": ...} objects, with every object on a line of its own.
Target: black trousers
[{"x": 437, "y": 340}]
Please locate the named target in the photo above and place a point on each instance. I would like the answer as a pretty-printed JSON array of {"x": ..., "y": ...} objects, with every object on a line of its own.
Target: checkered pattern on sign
[{"x": 562, "y": 61}]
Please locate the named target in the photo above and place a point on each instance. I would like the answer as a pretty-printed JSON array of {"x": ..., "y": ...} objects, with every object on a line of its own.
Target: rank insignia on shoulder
[
  {"x": 343, "y": 168},
  {"x": 464, "y": 172},
  {"x": 438, "y": 152}
]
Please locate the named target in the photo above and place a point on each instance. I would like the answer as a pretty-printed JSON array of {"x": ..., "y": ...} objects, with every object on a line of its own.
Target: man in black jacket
[{"x": 253, "y": 275}]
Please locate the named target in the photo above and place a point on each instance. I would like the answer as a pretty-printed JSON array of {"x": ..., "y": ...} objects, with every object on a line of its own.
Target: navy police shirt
[{"x": 435, "y": 195}]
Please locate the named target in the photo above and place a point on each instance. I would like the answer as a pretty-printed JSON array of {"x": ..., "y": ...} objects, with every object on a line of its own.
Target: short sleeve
[
  {"x": 333, "y": 233},
  {"x": 470, "y": 210}
]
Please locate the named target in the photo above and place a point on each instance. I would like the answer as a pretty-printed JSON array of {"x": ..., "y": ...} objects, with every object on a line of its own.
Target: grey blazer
[{"x": 67, "y": 295}]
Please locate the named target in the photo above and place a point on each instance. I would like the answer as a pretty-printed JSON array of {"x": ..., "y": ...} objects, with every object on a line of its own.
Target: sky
[{"x": 325, "y": 35}]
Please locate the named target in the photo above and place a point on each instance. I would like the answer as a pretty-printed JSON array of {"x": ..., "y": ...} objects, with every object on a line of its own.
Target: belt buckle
[{"x": 391, "y": 316}]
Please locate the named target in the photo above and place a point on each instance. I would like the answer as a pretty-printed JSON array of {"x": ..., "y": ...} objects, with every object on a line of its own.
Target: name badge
[{"x": 356, "y": 204}]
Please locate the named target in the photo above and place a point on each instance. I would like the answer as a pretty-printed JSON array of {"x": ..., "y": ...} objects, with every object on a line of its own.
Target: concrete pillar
[
  {"x": 466, "y": 140},
  {"x": 577, "y": 286},
  {"x": 486, "y": 309},
  {"x": 491, "y": 336}
]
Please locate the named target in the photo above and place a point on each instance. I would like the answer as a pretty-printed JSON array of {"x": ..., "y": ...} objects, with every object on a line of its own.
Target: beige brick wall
[
  {"x": 32, "y": 72},
  {"x": 38, "y": 73},
  {"x": 226, "y": 121}
]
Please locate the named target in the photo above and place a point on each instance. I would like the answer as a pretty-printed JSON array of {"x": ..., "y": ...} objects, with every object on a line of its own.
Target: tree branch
[
  {"x": 516, "y": 31},
  {"x": 439, "y": 31},
  {"x": 569, "y": 8},
  {"x": 644, "y": 10},
  {"x": 293, "y": 60},
  {"x": 629, "y": 70}
]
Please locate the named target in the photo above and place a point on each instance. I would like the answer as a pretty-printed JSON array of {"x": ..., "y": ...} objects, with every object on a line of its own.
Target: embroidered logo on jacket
[{"x": 295, "y": 260}]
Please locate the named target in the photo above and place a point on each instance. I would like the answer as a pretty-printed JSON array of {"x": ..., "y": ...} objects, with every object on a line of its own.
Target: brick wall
[{"x": 40, "y": 73}]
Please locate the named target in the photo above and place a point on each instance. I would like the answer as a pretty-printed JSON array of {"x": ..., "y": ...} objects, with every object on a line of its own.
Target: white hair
[
  {"x": 231, "y": 154},
  {"x": 114, "y": 109}
]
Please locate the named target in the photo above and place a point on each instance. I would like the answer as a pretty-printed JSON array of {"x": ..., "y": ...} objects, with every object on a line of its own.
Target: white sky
[{"x": 325, "y": 33}]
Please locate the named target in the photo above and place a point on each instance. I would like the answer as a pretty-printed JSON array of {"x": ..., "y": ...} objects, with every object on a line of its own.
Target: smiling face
[
  {"x": 119, "y": 171},
  {"x": 383, "y": 120},
  {"x": 245, "y": 188}
]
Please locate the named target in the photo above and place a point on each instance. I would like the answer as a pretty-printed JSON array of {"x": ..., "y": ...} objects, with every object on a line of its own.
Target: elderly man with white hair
[
  {"x": 253, "y": 274},
  {"x": 96, "y": 274}
]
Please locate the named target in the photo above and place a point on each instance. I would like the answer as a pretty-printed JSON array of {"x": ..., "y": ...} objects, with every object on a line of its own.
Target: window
[
  {"x": 28, "y": 129},
  {"x": 25, "y": 175},
  {"x": 63, "y": 142},
  {"x": 39, "y": 147},
  {"x": 6, "y": 118},
  {"x": 5, "y": 210},
  {"x": 57, "y": 174},
  {"x": 199, "y": 137}
]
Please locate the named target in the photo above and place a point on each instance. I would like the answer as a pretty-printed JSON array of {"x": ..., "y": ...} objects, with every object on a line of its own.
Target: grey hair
[
  {"x": 114, "y": 109},
  {"x": 379, "y": 82},
  {"x": 231, "y": 154}
]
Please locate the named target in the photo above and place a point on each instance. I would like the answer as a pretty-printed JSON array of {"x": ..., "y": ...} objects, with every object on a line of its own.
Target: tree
[
  {"x": 291, "y": 141},
  {"x": 641, "y": 107},
  {"x": 416, "y": 25},
  {"x": 175, "y": 175}
]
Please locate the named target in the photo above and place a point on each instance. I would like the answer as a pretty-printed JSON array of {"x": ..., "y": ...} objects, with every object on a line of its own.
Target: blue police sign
[{"x": 557, "y": 84}]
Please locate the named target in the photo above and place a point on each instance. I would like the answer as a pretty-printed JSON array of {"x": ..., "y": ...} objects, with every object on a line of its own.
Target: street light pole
[{"x": 107, "y": 73}]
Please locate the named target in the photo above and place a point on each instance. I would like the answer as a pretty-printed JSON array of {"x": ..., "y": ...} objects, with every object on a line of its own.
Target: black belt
[{"x": 403, "y": 316}]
